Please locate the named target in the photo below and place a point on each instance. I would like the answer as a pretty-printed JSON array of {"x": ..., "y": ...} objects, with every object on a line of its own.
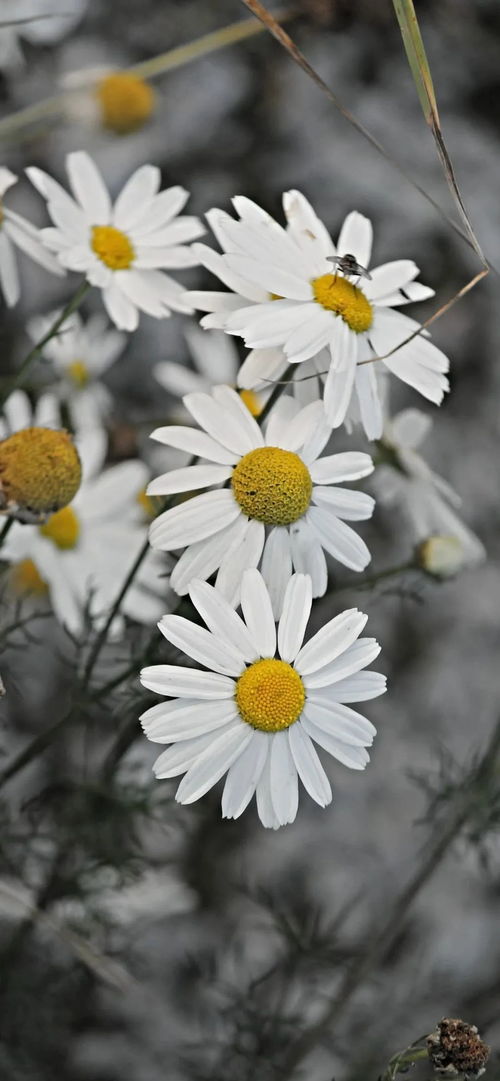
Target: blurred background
[{"x": 173, "y": 945}]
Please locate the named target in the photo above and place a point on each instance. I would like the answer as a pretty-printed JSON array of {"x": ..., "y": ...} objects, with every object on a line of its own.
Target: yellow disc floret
[
  {"x": 270, "y": 695},
  {"x": 252, "y": 402},
  {"x": 25, "y": 579},
  {"x": 338, "y": 295},
  {"x": 112, "y": 247},
  {"x": 78, "y": 373},
  {"x": 272, "y": 485},
  {"x": 62, "y": 528},
  {"x": 126, "y": 102},
  {"x": 40, "y": 472}
]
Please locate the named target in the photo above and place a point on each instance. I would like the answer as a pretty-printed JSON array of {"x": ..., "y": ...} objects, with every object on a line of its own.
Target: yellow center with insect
[
  {"x": 78, "y": 372},
  {"x": 270, "y": 695},
  {"x": 112, "y": 247},
  {"x": 126, "y": 102},
  {"x": 26, "y": 581},
  {"x": 252, "y": 402},
  {"x": 40, "y": 472},
  {"x": 272, "y": 485},
  {"x": 63, "y": 529},
  {"x": 338, "y": 295}
]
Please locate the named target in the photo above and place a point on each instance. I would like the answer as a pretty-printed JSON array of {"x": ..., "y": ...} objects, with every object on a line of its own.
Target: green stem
[
  {"x": 71, "y": 306},
  {"x": 9, "y": 522},
  {"x": 400, "y": 1062},
  {"x": 373, "y": 579}
]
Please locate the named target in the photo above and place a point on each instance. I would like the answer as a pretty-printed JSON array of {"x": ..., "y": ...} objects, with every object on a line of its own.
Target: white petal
[
  {"x": 283, "y": 283},
  {"x": 188, "y": 479},
  {"x": 213, "y": 762},
  {"x": 134, "y": 196},
  {"x": 264, "y": 802},
  {"x": 221, "y": 619},
  {"x": 308, "y": 765},
  {"x": 186, "y": 718},
  {"x": 120, "y": 309},
  {"x": 204, "y": 557},
  {"x": 338, "y": 539},
  {"x": 356, "y": 237},
  {"x": 352, "y": 757},
  {"x": 302, "y": 426},
  {"x": 173, "y": 680},
  {"x": 296, "y": 612},
  {"x": 244, "y": 775},
  {"x": 350, "y": 465},
  {"x": 9, "y": 277},
  {"x": 194, "y": 520},
  {"x": 198, "y": 444},
  {"x": 338, "y": 392},
  {"x": 261, "y": 366},
  {"x": 345, "y": 503},
  {"x": 304, "y": 222},
  {"x": 357, "y": 656},
  {"x": 279, "y": 420},
  {"x": 88, "y": 188},
  {"x": 333, "y": 638},
  {"x": 370, "y": 406},
  {"x": 311, "y": 336},
  {"x": 202, "y": 646},
  {"x": 222, "y": 423},
  {"x": 178, "y": 758},
  {"x": 359, "y": 687},
  {"x": 276, "y": 566},
  {"x": 283, "y": 779},
  {"x": 258, "y": 613},
  {"x": 242, "y": 554},
  {"x": 340, "y": 721},
  {"x": 308, "y": 556},
  {"x": 249, "y": 429},
  {"x": 389, "y": 278}
]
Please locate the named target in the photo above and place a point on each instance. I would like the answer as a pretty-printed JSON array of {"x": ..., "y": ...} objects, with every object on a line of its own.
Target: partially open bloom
[
  {"x": 291, "y": 290},
  {"x": 80, "y": 353},
  {"x": 282, "y": 503},
  {"x": 404, "y": 479},
  {"x": 120, "y": 248},
  {"x": 82, "y": 554},
  {"x": 264, "y": 700},
  {"x": 40, "y": 470},
  {"x": 15, "y": 231}
]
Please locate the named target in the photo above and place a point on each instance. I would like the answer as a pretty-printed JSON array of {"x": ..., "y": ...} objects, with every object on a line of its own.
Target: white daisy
[
  {"x": 282, "y": 503},
  {"x": 121, "y": 247},
  {"x": 216, "y": 360},
  {"x": 289, "y": 293},
  {"x": 427, "y": 500},
  {"x": 100, "y": 97},
  {"x": 15, "y": 230},
  {"x": 264, "y": 701},
  {"x": 80, "y": 353},
  {"x": 36, "y": 21},
  {"x": 83, "y": 553}
]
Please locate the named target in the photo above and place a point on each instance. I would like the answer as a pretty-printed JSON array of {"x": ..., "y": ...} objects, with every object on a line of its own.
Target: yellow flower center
[
  {"x": 78, "y": 373},
  {"x": 270, "y": 695},
  {"x": 252, "y": 402},
  {"x": 272, "y": 485},
  {"x": 126, "y": 102},
  {"x": 149, "y": 504},
  {"x": 338, "y": 295},
  {"x": 112, "y": 247},
  {"x": 62, "y": 528},
  {"x": 25, "y": 579},
  {"x": 40, "y": 472}
]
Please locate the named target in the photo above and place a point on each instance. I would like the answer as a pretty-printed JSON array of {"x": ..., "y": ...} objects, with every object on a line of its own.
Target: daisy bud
[
  {"x": 40, "y": 472},
  {"x": 126, "y": 102},
  {"x": 455, "y": 1049},
  {"x": 440, "y": 556}
]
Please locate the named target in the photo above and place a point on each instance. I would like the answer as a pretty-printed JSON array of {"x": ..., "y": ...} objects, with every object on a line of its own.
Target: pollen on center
[
  {"x": 338, "y": 295},
  {"x": 112, "y": 247},
  {"x": 270, "y": 695},
  {"x": 272, "y": 485}
]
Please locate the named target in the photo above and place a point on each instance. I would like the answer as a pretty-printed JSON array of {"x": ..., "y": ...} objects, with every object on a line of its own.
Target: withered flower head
[{"x": 455, "y": 1049}]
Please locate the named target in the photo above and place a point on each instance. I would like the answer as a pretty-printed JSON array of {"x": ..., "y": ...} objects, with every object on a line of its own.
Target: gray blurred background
[{"x": 188, "y": 911}]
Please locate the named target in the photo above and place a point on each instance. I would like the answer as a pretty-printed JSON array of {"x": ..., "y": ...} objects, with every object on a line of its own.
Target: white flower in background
[
  {"x": 288, "y": 292},
  {"x": 264, "y": 702},
  {"x": 18, "y": 413},
  {"x": 282, "y": 504},
  {"x": 428, "y": 501},
  {"x": 38, "y": 22},
  {"x": 120, "y": 248},
  {"x": 118, "y": 101},
  {"x": 15, "y": 231},
  {"x": 216, "y": 360},
  {"x": 80, "y": 353},
  {"x": 82, "y": 554}
]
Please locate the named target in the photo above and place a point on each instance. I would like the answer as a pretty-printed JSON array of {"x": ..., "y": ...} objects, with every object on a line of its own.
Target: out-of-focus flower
[
  {"x": 456, "y": 1049},
  {"x": 38, "y": 22},
  {"x": 264, "y": 701},
  {"x": 80, "y": 353},
  {"x": 120, "y": 248},
  {"x": 40, "y": 470},
  {"x": 427, "y": 500},
  {"x": 216, "y": 360},
  {"x": 294, "y": 289},
  {"x": 15, "y": 230},
  {"x": 118, "y": 101},
  {"x": 280, "y": 504},
  {"x": 82, "y": 554}
]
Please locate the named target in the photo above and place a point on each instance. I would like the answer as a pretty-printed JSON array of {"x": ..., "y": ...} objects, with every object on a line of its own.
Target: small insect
[{"x": 349, "y": 266}]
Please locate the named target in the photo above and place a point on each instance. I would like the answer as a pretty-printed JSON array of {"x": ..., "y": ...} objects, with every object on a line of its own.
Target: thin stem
[
  {"x": 71, "y": 306},
  {"x": 378, "y": 944},
  {"x": 373, "y": 579},
  {"x": 9, "y": 522},
  {"x": 400, "y": 1062},
  {"x": 34, "y": 748}
]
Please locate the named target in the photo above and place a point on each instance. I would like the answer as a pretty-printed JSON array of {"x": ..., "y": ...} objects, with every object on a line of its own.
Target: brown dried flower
[{"x": 455, "y": 1049}]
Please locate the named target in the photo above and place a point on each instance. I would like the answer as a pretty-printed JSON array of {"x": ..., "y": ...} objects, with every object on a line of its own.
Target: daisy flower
[
  {"x": 80, "y": 353},
  {"x": 37, "y": 22},
  {"x": 216, "y": 360},
  {"x": 282, "y": 503},
  {"x": 15, "y": 231},
  {"x": 291, "y": 290},
  {"x": 427, "y": 500},
  {"x": 263, "y": 702},
  {"x": 121, "y": 247},
  {"x": 81, "y": 555},
  {"x": 118, "y": 101}
]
